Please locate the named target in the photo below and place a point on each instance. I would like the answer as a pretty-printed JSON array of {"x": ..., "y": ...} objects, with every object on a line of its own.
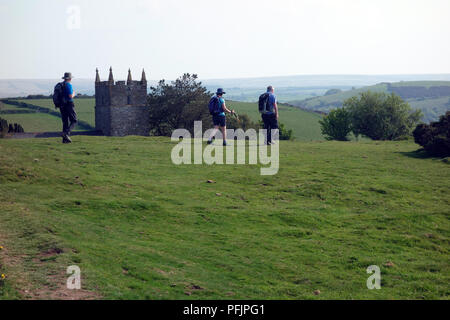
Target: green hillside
[
  {"x": 140, "y": 227},
  {"x": 305, "y": 125},
  {"x": 8, "y": 107},
  {"x": 84, "y": 107},
  {"x": 34, "y": 122},
  {"x": 432, "y": 97},
  {"x": 30, "y": 120},
  {"x": 38, "y": 121}
]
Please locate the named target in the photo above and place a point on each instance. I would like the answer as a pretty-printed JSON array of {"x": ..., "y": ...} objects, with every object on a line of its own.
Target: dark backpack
[
  {"x": 214, "y": 106},
  {"x": 59, "y": 95},
  {"x": 263, "y": 103}
]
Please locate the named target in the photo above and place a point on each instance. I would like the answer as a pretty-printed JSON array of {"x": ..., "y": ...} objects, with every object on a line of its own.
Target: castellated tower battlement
[{"x": 121, "y": 107}]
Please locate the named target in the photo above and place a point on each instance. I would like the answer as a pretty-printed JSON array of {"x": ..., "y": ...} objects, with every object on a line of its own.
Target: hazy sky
[{"x": 223, "y": 39}]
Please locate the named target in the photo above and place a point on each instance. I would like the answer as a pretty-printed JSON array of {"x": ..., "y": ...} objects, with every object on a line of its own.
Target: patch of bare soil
[
  {"x": 56, "y": 289},
  {"x": 52, "y": 287}
]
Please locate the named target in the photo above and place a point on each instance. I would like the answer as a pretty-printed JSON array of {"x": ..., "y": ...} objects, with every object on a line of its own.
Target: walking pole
[{"x": 235, "y": 115}]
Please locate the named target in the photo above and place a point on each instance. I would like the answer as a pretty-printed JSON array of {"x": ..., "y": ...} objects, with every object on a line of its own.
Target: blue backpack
[{"x": 214, "y": 106}]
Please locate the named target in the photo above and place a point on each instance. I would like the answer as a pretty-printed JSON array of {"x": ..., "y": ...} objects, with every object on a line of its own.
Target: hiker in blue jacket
[
  {"x": 68, "y": 108},
  {"x": 218, "y": 116},
  {"x": 270, "y": 114}
]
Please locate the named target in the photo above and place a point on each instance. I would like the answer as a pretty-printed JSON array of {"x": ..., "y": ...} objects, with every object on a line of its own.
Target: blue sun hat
[{"x": 220, "y": 91}]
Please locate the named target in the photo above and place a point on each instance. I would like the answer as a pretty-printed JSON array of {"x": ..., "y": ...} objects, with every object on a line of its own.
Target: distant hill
[
  {"x": 432, "y": 97},
  {"x": 288, "y": 88},
  {"x": 299, "y": 87},
  {"x": 25, "y": 87}
]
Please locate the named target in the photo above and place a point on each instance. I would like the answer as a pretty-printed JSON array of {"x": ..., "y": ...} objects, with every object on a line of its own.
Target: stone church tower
[{"x": 121, "y": 107}]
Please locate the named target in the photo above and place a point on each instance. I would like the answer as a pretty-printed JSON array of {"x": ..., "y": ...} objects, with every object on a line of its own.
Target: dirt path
[{"x": 28, "y": 135}]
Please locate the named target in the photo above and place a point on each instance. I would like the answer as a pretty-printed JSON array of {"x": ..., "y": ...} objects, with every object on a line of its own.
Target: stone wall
[
  {"x": 102, "y": 94},
  {"x": 130, "y": 120},
  {"x": 122, "y": 121},
  {"x": 134, "y": 94},
  {"x": 103, "y": 119}
]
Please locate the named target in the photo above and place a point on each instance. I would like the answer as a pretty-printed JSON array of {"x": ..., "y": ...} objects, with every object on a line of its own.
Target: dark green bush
[
  {"x": 336, "y": 125},
  {"x": 435, "y": 137},
  {"x": 285, "y": 134},
  {"x": 3, "y": 127},
  {"x": 6, "y": 128}
]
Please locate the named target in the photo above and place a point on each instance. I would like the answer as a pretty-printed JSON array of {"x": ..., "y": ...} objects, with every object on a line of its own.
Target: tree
[
  {"x": 381, "y": 116},
  {"x": 177, "y": 105},
  {"x": 336, "y": 125}
]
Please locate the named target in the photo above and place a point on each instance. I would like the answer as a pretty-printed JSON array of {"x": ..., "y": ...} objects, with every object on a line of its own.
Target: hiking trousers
[
  {"x": 69, "y": 117},
  {"x": 270, "y": 123}
]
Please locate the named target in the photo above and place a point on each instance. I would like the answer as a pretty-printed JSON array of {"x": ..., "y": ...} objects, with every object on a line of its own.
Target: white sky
[{"x": 224, "y": 39}]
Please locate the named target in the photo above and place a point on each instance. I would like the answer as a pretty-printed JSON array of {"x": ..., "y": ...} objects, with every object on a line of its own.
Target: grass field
[
  {"x": 35, "y": 122},
  {"x": 305, "y": 125},
  {"x": 42, "y": 122},
  {"x": 84, "y": 108},
  {"x": 7, "y": 107},
  {"x": 140, "y": 227}
]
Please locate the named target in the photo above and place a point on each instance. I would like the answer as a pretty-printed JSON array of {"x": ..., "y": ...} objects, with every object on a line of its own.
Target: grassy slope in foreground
[
  {"x": 140, "y": 227},
  {"x": 305, "y": 125}
]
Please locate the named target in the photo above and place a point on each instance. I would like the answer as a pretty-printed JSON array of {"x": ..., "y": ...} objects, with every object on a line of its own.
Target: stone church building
[{"x": 121, "y": 107}]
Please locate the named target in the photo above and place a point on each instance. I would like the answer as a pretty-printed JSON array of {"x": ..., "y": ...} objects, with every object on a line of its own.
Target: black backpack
[
  {"x": 214, "y": 106},
  {"x": 263, "y": 103},
  {"x": 58, "y": 95}
]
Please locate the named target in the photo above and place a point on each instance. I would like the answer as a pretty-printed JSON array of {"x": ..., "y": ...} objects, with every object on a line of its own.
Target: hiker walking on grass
[
  {"x": 269, "y": 112},
  {"x": 63, "y": 99},
  {"x": 217, "y": 108}
]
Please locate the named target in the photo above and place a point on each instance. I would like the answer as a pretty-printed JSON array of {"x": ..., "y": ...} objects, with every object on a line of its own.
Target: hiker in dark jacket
[
  {"x": 68, "y": 113},
  {"x": 219, "y": 118},
  {"x": 270, "y": 116}
]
